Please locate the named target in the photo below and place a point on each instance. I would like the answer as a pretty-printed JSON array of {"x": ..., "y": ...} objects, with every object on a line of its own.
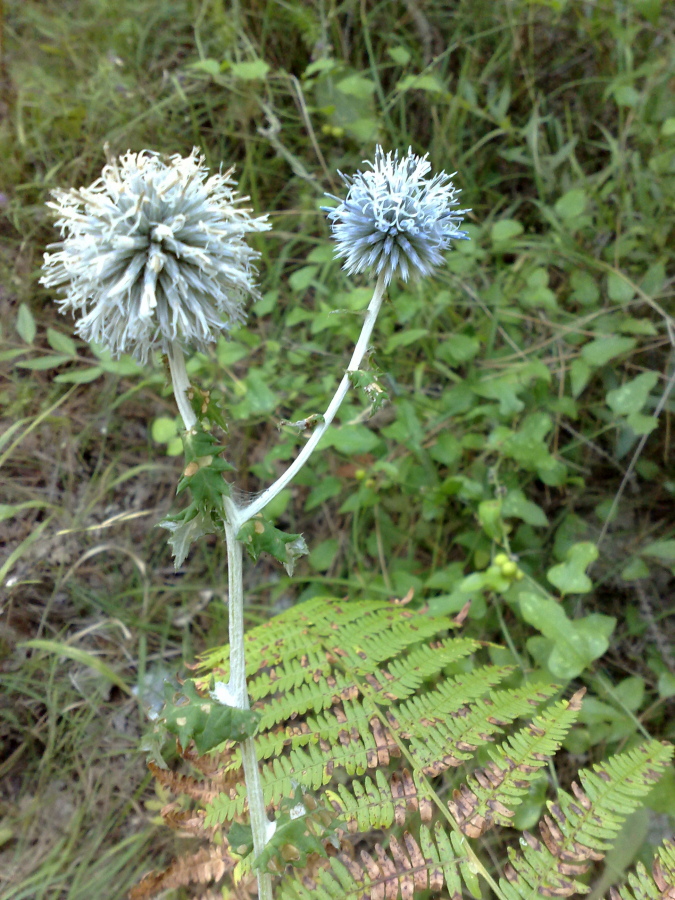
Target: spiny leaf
[
  {"x": 190, "y": 716},
  {"x": 203, "y": 471},
  {"x": 258, "y": 535}
]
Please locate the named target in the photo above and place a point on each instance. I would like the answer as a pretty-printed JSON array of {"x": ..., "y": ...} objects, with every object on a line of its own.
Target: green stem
[
  {"x": 181, "y": 385},
  {"x": 253, "y": 508},
  {"x": 261, "y": 827}
]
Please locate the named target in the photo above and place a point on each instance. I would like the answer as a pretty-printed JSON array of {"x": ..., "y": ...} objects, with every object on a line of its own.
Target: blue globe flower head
[
  {"x": 395, "y": 219},
  {"x": 153, "y": 253}
]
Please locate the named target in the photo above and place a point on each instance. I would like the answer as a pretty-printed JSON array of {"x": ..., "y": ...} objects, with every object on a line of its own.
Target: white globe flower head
[
  {"x": 395, "y": 219},
  {"x": 153, "y": 254}
]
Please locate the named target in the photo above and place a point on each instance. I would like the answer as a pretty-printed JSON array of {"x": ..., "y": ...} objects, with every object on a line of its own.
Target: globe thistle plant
[
  {"x": 395, "y": 219},
  {"x": 153, "y": 254}
]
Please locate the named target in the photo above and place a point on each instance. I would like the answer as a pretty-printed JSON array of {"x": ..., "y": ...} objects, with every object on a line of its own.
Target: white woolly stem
[
  {"x": 181, "y": 385},
  {"x": 243, "y": 515},
  {"x": 260, "y": 825}
]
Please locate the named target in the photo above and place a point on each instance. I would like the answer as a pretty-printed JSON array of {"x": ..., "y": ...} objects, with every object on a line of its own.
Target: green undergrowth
[{"x": 521, "y": 461}]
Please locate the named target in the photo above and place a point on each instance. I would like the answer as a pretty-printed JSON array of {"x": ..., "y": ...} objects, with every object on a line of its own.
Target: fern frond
[
  {"x": 357, "y": 713},
  {"x": 367, "y": 805},
  {"x": 437, "y": 744},
  {"x": 406, "y": 868},
  {"x": 660, "y": 885},
  {"x": 491, "y": 794},
  {"x": 204, "y": 791},
  {"x": 580, "y": 829},
  {"x": 206, "y": 865}
]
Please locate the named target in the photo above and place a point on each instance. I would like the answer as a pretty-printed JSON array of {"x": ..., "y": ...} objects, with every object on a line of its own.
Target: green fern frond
[
  {"x": 660, "y": 885},
  {"x": 491, "y": 794},
  {"x": 453, "y": 740},
  {"x": 580, "y": 828}
]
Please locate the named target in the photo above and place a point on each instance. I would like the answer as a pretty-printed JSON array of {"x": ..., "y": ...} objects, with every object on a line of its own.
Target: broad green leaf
[
  {"x": 259, "y": 400},
  {"x": 305, "y": 830},
  {"x": 301, "y": 279},
  {"x": 400, "y": 55},
  {"x": 630, "y": 692},
  {"x": 505, "y": 391},
  {"x": 505, "y": 230},
  {"x": 641, "y": 424},
  {"x": 61, "y": 342},
  {"x": 25, "y": 324},
  {"x": 356, "y": 86},
  {"x": 666, "y": 685},
  {"x": 572, "y": 204},
  {"x": 573, "y": 644},
  {"x": 79, "y": 376},
  {"x": 517, "y": 506},
  {"x": 602, "y": 349},
  {"x": 586, "y": 290},
  {"x": 163, "y": 429},
  {"x": 632, "y": 395},
  {"x": 405, "y": 337},
  {"x": 490, "y": 518},
  {"x": 210, "y": 66},
  {"x": 634, "y": 570},
  {"x": 230, "y": 352},
  {"x": 429, "y": 83},
  {"x": 580, "y": 373},
  {"x": 250, "y": 71},
  {"x": 664, "y": 550},
  {"x": 630, "y": 325},
  {"x": 619, "y": 288},
  {"x": 322, "y": 556},
  {"x": 351, "y": 439},
  {"x": 9, "y": 355},
  {"x": 42, "y": 363},
  {"x": 327, "y": 488},
  {"x": 570, "y": 576},
  {"x": 456, "y": 349},
  {"x": 447, "y": 449},
  {"x": 654, "y": 278}
]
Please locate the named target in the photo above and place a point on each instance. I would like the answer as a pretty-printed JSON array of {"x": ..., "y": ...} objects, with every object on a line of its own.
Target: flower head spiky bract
[
  {"x": 153, "y": 253},
  {"x": 395, "y": 219}
]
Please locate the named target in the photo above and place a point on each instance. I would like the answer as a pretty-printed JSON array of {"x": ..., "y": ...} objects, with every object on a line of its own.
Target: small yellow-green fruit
[
  {"x": 509, "y": 569},
  {"x": 360, "y": 474},
  {"x": 370, "y": 483},
  {"x": 520, "y": 575},
  {"x": 501, "y": 559}
]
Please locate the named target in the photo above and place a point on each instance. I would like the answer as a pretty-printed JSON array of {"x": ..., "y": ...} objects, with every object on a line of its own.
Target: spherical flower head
[
  {"x": 153, "y": 253},
  {"x": 395, "y": 219}
]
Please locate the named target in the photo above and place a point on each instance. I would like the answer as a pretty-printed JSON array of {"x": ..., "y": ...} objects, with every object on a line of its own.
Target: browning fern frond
[
  {"x": 371, "y": 713},
  {"x": 580, "y": 828},
  {"x": 660, "y": 885},
  {"x": 207, "y": 865},
  {"x": 491, "y": 794}
]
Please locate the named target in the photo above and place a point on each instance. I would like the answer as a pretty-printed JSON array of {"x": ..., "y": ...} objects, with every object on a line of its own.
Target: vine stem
[
  {"x": 181, "y": 385},
  {"x": 255, "y": 506}
]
